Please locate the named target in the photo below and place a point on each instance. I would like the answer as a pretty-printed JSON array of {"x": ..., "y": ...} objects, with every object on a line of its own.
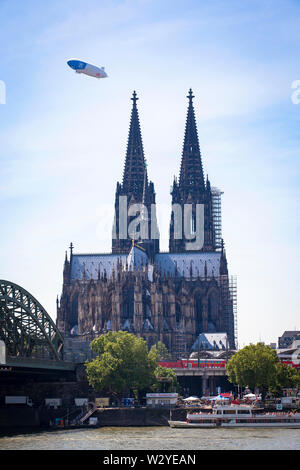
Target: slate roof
[
  {"x": 167, "y": 262},
  {"x": 211, "y": 341},
  {"x": 88, "y": 265}
]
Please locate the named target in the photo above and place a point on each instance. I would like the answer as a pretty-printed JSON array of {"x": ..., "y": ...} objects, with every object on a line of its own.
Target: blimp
[{"x": 88, "y": 69}]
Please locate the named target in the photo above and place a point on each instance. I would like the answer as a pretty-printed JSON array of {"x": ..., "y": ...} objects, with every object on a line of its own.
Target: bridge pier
[
  {"x": 204, "y": 380},
  {"x": 212, "y": 385},
  {"x": 204, "y": 385}
]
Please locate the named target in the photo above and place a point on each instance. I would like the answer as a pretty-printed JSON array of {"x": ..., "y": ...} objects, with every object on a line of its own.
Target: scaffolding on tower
[
  {"x": 217, "y": 215},
  {"x": 180, "y": 343},
  {"x": 228, "y": 286},
  {"x": 233, "y": 294}
]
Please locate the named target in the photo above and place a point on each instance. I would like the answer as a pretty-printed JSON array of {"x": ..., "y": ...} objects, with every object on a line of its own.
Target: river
[{"x": 154, "y": 438}]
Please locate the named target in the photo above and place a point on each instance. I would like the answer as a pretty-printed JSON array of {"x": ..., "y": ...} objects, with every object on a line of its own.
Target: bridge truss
[{"x": 25, "y": 327}]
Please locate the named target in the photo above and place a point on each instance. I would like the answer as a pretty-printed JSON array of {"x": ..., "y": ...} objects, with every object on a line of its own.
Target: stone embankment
[
  {"x": 22, "y": 416},
  {"x": 42, "y": 417}
]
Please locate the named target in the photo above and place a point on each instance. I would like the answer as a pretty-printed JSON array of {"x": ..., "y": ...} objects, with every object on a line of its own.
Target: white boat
[
  {"x": 206, "y": 423},
  {"x": 238, "y": 416}
]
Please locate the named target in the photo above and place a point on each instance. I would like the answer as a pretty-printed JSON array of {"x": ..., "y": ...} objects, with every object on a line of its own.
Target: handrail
[{"x": 88, "y": 414}]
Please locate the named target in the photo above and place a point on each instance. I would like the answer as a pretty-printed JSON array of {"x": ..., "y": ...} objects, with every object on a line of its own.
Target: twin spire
[
  {"x": 138, "y": 189},
  {"x": 135, "y": 171},
  {"x": 135, "y": 178},
  {"x": 191, "y": 171}
]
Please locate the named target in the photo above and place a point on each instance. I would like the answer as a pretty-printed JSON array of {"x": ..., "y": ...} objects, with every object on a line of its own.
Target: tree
[
  {"x": 165, "y": 380},
  {"x": 255, "y": 366},
  {"x": 122, "y": 363},
  {"x": 160, "y": 351},
  {"x": 286, "y": 377}
]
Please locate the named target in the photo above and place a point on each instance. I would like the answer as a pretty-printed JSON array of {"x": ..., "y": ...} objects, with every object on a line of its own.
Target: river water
[{"x": 154, "y": 438}]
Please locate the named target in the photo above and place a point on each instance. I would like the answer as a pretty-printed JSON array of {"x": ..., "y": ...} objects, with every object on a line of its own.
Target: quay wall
[
  {"x": 138, "y": 416},
  {"x": 19, "y": 416},
  {"x": 22, "y": 416}
]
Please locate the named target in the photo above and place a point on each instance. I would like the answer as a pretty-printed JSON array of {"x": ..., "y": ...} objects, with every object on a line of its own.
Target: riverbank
[
  {"x": 43, "y": 418},
  {"x": 25, "y": 416}
]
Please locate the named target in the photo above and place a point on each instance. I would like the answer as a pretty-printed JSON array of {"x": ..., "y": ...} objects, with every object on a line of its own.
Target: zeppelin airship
[{"x": 83, "y": 67}]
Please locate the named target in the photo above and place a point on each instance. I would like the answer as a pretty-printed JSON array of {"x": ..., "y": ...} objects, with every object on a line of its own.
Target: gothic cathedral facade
[{"x": 171, "y": 297}]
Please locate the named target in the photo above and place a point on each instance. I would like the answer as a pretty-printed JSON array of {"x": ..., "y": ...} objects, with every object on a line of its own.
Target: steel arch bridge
[{"x": 25, "y": 327}]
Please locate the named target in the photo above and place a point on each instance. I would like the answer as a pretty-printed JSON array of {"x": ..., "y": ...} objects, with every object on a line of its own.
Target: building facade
[
  {"x": 285, "y": 341},
  {"x": 173, "y": 296}
]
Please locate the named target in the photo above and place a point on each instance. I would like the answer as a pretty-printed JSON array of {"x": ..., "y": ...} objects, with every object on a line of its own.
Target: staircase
[{"x": 82, "y": 417}]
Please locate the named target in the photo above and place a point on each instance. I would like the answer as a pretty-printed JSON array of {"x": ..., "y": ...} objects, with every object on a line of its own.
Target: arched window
[
  {"x": 128, "y": 302},
  {"x": 198, "y": 313},
  {"x": 74, "y": 310},
  {"x": 166, "y": 309},
  {"x": 212, "y": 312},
  {"x": 107, "y": 308},
  {"x": 147, "y": 307},
  {"x": 178, "y": 313}
]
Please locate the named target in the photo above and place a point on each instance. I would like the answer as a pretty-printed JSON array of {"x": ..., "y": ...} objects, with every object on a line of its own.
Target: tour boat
[{"x": 238, "y": 416}]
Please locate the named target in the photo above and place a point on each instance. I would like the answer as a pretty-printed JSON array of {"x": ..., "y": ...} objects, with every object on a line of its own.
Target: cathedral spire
[
  {"x": 135, "y": 164},
  {"x": 135, "y": 189},
  {"x": 191, "y": 190},
  {"x": 191, "y": 171}
]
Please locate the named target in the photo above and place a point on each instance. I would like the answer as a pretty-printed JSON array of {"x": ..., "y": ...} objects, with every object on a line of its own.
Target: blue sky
[{"x": 63, "y": 136}]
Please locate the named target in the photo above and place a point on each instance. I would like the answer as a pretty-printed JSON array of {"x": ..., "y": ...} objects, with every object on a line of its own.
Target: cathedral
[{"x": 172, "y": 296}]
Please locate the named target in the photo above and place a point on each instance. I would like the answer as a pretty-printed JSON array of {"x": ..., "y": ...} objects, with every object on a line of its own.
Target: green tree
[
  {"x": 165, "y": 380},
  {"x": 122, "y": 363},
  {"x": 160, "y": 352},
  {"x": 254, "y": 366},
  {"x": 286, "y": 377}
]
